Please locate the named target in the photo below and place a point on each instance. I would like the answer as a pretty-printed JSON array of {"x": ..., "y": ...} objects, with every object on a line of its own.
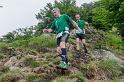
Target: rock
[
  {"x": 12, "y": 61},
  {"x": 21, "y": 80},
  {"x": 103, "y": 54},
  {"x": 1, "y": 64},
  {"x": 32, "y": 56},
  {"x": 27, "y": 70},
  {"x": 74, "y": 70},
  {"x": 38, "y": 70},
  {"x": 73, "y": 80},
  {"x": 14, "y": 68}
]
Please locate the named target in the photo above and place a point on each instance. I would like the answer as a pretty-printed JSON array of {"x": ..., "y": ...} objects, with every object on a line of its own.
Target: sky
[{"x": 21, "y": 13}]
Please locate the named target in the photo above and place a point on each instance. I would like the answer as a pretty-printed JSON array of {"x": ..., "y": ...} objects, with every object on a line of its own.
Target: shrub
[
  {"x": 11, "y": 76},
  {"x": 43, "y": 41},
  {"x": 80, "y": 77},
  {"x": 31, "y": 62},
  {"x": 2, "y": 56},
  {"x": 20, "y": 43},
  {"x": 3, "y": 45},
  {"x": 33, "y": 78},
  {"x": 110, "y": 67}
]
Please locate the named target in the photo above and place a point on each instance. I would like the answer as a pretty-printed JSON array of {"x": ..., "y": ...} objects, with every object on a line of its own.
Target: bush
[
  {"x": 116, "y": 80},
  {"x": 2, "y": 56},
  {"x": 89, "y": 70},
  {"x": 115, "y": 43},
  {"x": 43, "y": 41},
  {"x": 78, "y": 75},
  {"x": 3, "y": 45},
  {"x": 11, "y": 76},
  {"x": 33, "y": 78},
  {"x": 20, "y": 43},
  {"x": 36, "y": 43},
  {"x": 110, "y": 67},
  {"x": 60, "y": 79},
  {"x": 31, "y": 62}
]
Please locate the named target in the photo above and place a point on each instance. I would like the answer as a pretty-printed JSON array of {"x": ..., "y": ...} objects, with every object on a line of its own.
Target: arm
[
  {"x": 68, "y": 19},
  {"x": 47, "y": 30},
  {"x": 87, "y": 27},
  {"x": 76, "y": 26},
  {"x": 51, "y": 29}
]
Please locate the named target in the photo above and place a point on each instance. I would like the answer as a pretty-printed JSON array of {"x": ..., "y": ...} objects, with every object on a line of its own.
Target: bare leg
[
  {"x": 78, "y": 41},
  {"x": 77, "y": 44},
  {"x": 84, "y": 44}
]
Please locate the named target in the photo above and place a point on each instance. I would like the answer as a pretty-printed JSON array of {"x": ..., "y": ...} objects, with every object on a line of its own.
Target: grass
[
  {"x": 31, "y": 62},
  {"x": 33, "y": 78},
  {"x": 116, "y": 80},
  {"x": 3, "y": 45},
  {"x": 2, "y": 56},
  {"x": 60, "y": 79},
  {"x": 11, "y": 76},
  {"x": 38, "y": 43},
  {"x": 89, "y": 69},
  {"x": 115, "y": 43},
  {"x": 110, "y": 67},
  {"x": 79, "y": 76}
]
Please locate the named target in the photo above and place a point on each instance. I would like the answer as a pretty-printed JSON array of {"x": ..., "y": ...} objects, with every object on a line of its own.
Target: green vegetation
[
  {"x": 33, "y": 78},
  {"x": 79, "y": 76},
  {"x": 34, "y": 49},
  {"x": 110, "y": 67},
  {"x": 115, "y": 43},
  {"x": 10, "y": 76},
  {"x": 30, "y": 62}
]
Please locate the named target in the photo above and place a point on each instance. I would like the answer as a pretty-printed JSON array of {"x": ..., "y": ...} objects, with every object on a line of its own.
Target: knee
[
  {"x": 62, "y": 44},
  {"x": 77, "y": 41},
  {"x": 58, "y": 50}
]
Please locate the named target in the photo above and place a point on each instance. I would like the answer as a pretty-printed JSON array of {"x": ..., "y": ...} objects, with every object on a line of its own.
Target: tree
[{"x": 45, "y": 16}]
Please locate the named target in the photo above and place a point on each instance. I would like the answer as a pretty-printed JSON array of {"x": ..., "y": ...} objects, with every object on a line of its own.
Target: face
[
  {"x": 56, "y": 13},
  {"x": 77, "y": 17}
]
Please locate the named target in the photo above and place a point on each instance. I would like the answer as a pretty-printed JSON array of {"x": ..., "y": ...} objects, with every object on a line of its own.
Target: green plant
[
  {"x": 80, "y": 77},
  {"x": 115, "y": 80},
  {"x": 110, "y": 67},
  {"x": 3, "y": 45},
  {"x": 89, "y": 70},
  {"x": 11, "y": 76},
  {"x": 60, "y": 79},
  {"x": 115, "y": 43},
  {"x": 2, "y": 56},
  {"x": 31, "y": 62},
  {"x": 43, "y": 41},
  {"x": 33, "y": 78},
  {"x": 20, "y": 43}
]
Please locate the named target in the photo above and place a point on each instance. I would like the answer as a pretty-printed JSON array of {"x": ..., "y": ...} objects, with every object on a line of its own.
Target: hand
[{"x": 45, "y": 30}]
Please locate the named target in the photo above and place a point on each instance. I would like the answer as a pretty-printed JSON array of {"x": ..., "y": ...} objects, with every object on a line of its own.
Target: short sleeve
[
  {"x": 53, "y": 26},
  {"x": 67, "y": 18}
]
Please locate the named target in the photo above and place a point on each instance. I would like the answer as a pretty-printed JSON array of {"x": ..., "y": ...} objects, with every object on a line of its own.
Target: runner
[
  {"x": 61, "y": 26},
  {"x": 80, "y": 36}
]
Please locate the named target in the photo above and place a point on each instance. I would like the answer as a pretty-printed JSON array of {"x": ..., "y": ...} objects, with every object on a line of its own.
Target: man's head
[
  {"x": 56, "y": 12},
  {"x": 77, "y": 16}
]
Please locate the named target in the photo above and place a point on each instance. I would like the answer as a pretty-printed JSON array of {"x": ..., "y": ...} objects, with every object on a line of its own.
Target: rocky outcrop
[{"x": 103, "y": 54}]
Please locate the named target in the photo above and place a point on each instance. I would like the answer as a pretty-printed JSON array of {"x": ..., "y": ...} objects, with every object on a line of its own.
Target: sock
[
  {"x": 77, "y": 53},
  {"x": 64, "y": 55}
]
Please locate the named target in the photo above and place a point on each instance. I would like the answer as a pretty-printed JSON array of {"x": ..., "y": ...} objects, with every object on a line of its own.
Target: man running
[
  {"x": 80, "y": 36},
  {"x": 61, "y": 26}
]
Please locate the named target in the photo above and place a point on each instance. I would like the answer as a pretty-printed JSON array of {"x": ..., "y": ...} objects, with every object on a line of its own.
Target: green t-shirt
[
  {"x": 61, "y": 24},
  {"x": 81, "y": 26}
]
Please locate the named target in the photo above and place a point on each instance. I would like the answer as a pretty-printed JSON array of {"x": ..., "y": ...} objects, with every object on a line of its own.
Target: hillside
[{"x": 34, "y": 60}]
